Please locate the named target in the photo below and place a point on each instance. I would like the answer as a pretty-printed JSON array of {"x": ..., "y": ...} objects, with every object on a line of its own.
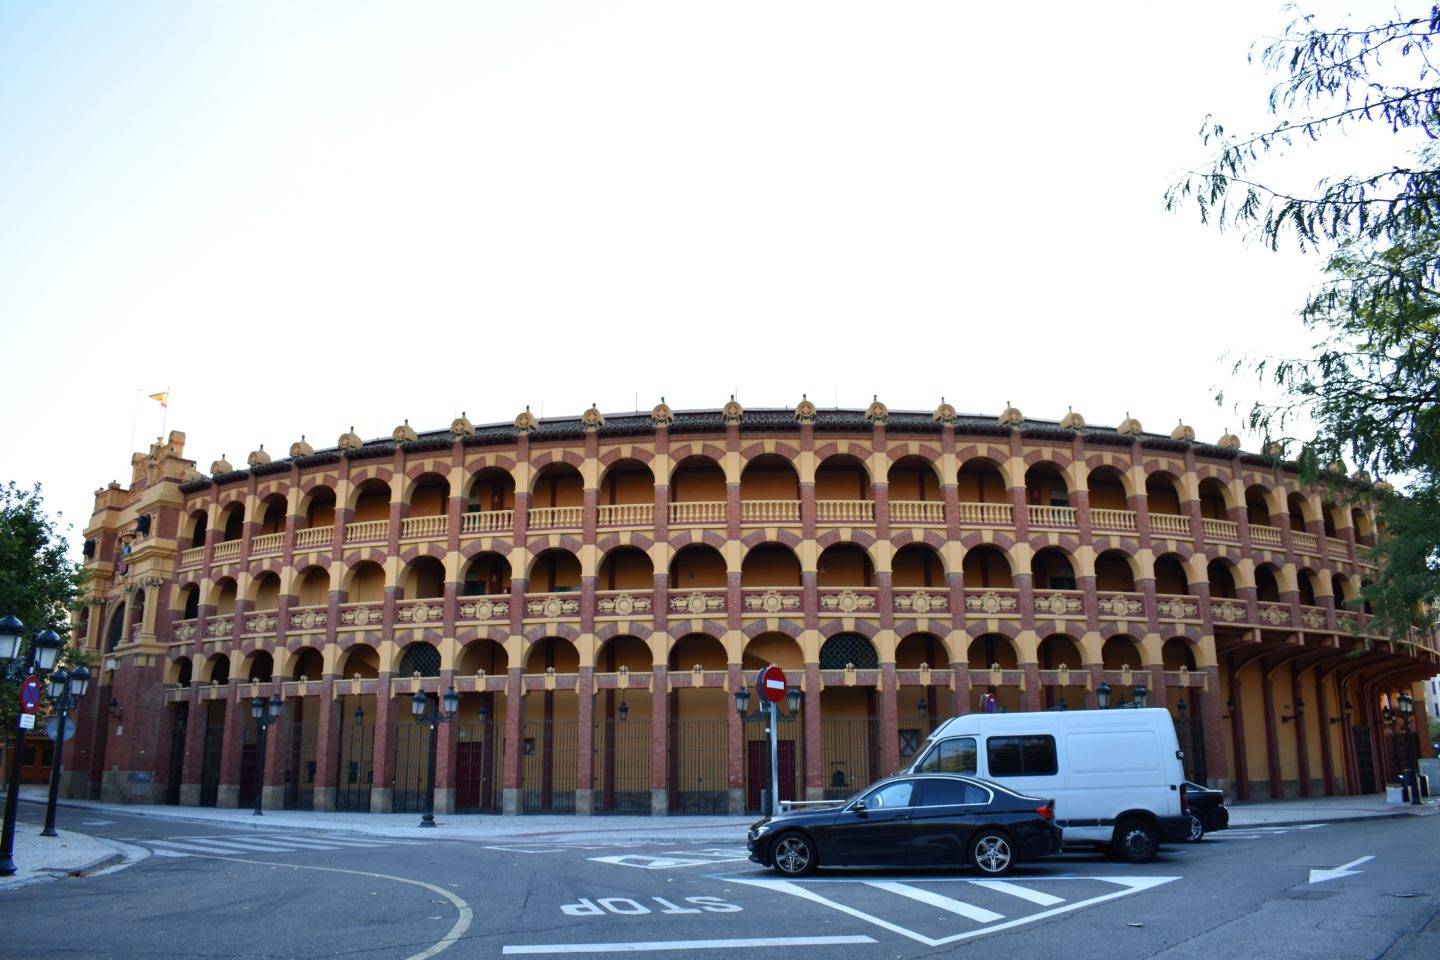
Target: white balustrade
[
  {"x": 226, "y": 550},
  {"x": 312, "y": 537},
  {"x": 266, "y": 544},
  {"x": 917, "y": 511},
  {"x": 1112, "y": 519},
  {"x": 367, "y": 531},
  {"x": 987, "y": 514},
  {"x": 415, "y": 528},
  {"x": 699, "y": 511},
  {"x": 627, "y": 515},
  {"x": 845, "y": 511},
  {"x": 550, "y": 518},
  {"x": 488, "y": 521},
  {"x": 770, "y": 511},
  {"x": 1222, "y": 530},
  {"x": 1052, "y": 516}
]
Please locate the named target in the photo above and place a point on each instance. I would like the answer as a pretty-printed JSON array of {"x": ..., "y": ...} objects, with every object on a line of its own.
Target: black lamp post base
[
  {"x": 428, "y": 820},
  {"x": 7, "y": 867},
  {"x": 49, "y": 832}
]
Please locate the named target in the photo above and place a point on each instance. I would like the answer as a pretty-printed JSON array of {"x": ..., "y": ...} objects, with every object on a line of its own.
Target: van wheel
[
  {"x": 992, "y": 853},
  {"x": 1136, "y": 840},
  {"x": 1196, "y": 830},
  {"x": 793, "y": 855}
]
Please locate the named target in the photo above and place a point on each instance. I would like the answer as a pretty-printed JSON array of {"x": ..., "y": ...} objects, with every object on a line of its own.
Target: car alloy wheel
[
  {"x": 792, "y": 855},
  {"x": 1197, "y": 829},
  {"x": 991, "y": 854}
]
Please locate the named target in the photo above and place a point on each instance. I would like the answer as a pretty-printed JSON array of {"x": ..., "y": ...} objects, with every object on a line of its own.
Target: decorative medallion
[
  {"x": 772, "y": 601},
  {"x": 877, "y": 412},
  {"x": 309, "y": 619},
  {"x": 662, "y": 414},
  {"x": 262, "y": 623},
  {"x": 461, "y": 426},
  {"x": 362, "y": 616},
  {"x": 184, "y": 632},
  {"x": 1057, "y": 604},
  {"x": 920, "y": 603},
  {"x": 485, "y": 610},
  {"x": 1120, "y": 606},
  {"x": 1228, "y": 441},
  {"x": 732, "y": 411},
  {"x": 422, "y": 613},
  {"x": 1229, "y": 612},
  {"x": 218, "y": 627},
  {"x": 1274, "y": 449},
  {"x": 697, "y": 604},
  {"x": 1176, "y": 609},
  {"x": 1274, "y": 615},
  {"x": 1313, "y": 619},
  {"x": 350, "y": 440},
  {"x": 404, "y": 433},
  {"x": 525, "y": 421},
  {"x": 805, "y": 410},
  {"x": 991, "y": 603},
  {"x": 552, "y": 607},
  {"x": 847, "y": 601},
  {"x": 624, "y": 605},
  {"x": 592, "y": 419},
  {"x": 300, "y": 448}
]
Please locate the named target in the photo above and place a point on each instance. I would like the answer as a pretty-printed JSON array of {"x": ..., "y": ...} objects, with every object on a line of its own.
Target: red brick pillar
[
  {"x": 196, "y": 717},
  {"x": 585, "y": 741},
  {"x": 232, "y": 743},
  {"x": 1159, "y": 694},
  {"x": 889, "y": 720},
  {"x": 814, "y": 734},
  {"x": 1217, "y": 766},
  {"x": 1032, "y": 698},
  {"x": 659, "y": 740},
  {"x": 277, "y": 740},
  {"x": 447, "y": 750},
  {"x": 960, "y": 702},
  {"x": 382, "y": 786},
  {"x": 735, "y": 743},
  {"x": 327, "y": 745},
  {"x": 514, "y": 714}
]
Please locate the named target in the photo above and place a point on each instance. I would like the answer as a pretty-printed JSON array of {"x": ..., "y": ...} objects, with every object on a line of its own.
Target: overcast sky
[{"x": 302, "y": 216}]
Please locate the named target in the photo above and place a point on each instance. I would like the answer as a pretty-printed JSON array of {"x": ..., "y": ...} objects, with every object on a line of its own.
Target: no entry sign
[
  {"x": 29, "y": 700},
  {"x": 771, "y": 683}
]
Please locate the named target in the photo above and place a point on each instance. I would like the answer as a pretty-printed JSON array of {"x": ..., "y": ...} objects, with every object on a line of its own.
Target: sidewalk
[
  {"x": 50, "y": 858},
  {"x": 561, "y": 828}
]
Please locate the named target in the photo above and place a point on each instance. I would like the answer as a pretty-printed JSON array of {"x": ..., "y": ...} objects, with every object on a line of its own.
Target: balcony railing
[
  {"x": 845, "y": 511},
  {"x": 486, "y": 607},
  {"x": 225, "y": 550},
  {"x": 553, "y": 518},
  {"x": 1337, "y": 547},
  {"x": 1049, "y": 516},
  {"x": 922, "y": 601},
  {"x": 769, "y": 511},
  {"x": 312, "y": 618},
  {"x": 627, "y": 515},
  {"x": 312, "y": 537},
  {"x": 917, "y": 511},
  {"x": 987, "y": 514},
  {"x": 1266, "y": 536},
  {"x": 419, "y": 528},
  {"x": 1221, "y": 530},
  {"x": 699, "y": 511},
  {"x": 266, "y": 544},
  {"x": 184, "y": 630},
  {"x": 192, "y": 557},
  {"x": 1305, "y": 541},
  {"x": 367, "y": 531},
  {"x": 1059, "y": 603},
  {"x": 488, "y": 521},
  {"x": 1171, "y": 607},
  {"x": 259, "y": 624},
  {"x": 1113, "y": 520},
  {"x": 1170, "y": 524}
]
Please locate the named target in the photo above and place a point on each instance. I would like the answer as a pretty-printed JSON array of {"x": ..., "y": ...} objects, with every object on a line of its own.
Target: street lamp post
[
  {"x": 264, "y": 713},
  {"x": 432, "y": 716},
  {"x": 40, "y": 658},
  {"x": 1407, "y": 710},
  {"x": 65, "y": 689},
  {"x": 770, "y": 712}
]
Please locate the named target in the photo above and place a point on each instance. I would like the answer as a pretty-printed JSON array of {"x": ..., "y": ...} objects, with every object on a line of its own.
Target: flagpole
[
  {"x": 134, "y": 419},
  {"x": 165, "y": 415}
]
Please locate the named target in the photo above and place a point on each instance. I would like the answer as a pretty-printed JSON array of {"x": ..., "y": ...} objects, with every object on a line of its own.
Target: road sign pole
[
  {"x": 12, "y": 800},
  {"x": 774, "y": 760},
  {"x": 54, "y": 797}
]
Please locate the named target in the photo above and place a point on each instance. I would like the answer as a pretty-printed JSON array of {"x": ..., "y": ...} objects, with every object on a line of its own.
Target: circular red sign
[{"x": 771, "y": 683}]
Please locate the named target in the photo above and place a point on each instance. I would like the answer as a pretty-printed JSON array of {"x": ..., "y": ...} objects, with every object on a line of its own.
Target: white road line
[
  {"x": 1015, "y": 890},
  {"x": 325, "y": 843},
  {"x": 655, "y": 946},
  {"x": 794, "y": 889},
  {"x": 219, "y": 846},
  {"x": 949, "y": 905}
]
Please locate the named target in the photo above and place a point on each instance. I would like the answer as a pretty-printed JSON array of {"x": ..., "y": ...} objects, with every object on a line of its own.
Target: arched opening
[
  {"x": 262, "y": 667},
  {"x": 115, "y": 631},
  {"x": 1056, "y": 651},
  {"x": 987, "y": 651},
  {"x": 319, "y": 509},
  {"x": 271, "y": 514},
  {"x": 1222, "y": 580},
  {"x": 1170, "y": 577},
  {"x": 360, "y": 660},
  {"x": 224, "y": 593},
  {"x": 1045, "y": 486},
  {"x": 845, "y": 565},
  {"x": 365, "y": 583},
  {"x": 1162, "y": 493},
  {"x": 309, "y": 665},
  {"x": 1298, "y": 506},
  {"x": 419, "y": 657},
  {"x": 487, "y": 574},
  {"x": 267, "y": 591},
  {"x": 430, "y": 496},
  {"x": 195, "y": 526},
  {"x": 626, "y": 568},
  {"x": 558, "y": 485},
  {"x": 987, "y": 566},
  {"x": 848, "y": 650},
  {"x": 699, "y": 771},
  {"x": 769, "y": 477},
  {"x": 1364, "y": 529},
  {"x": 181, "y": 672},
  {"x": 1306, "y": 581},
  {"x": 697, "y": 479},
  {"x": 232, "y": 522},
  {"x": 479, "y": 753},
  {"x": 771, "y": 647},
  {"x": 842, "y": 477},
  {"x": 921, "y": 707},
  {"x": 917, "y": 565},
  {"x": 1114, "y": 573},
  {"x": 189, "y": 601},
  {"x": 549, "y": 731},
  {"x": 372, "y": 501},
  {"x": 627, "y": 481},
  {"x": 784, "y": 652},
  {"x": 621, "y": 737},
  {"x": 697, "y": 566},
  {"x": 913, "y": 479},
  {"x": 921, "y": 649},
  {"x": 770, "y": 565},
  {"x": 555, "y": 571},
  {"x": 1343, "y": 590},
  {"x": 1332, "y": 518},
  {"x": 217, "y": 669},
  {"x": 697, "y": 649},
  {"x": 1214, "y": 503},
  {"x": 1120, "y": 652},
  {"x": 1257, "y": 505},
  {"x": 1107, "y": 489},
  {"x": 1267, "y": 587},
  {"x": 980, "y": 481},
  {"x": 1052, "y": 570},
  {"x": 485, "y": 656},
  {"x": 424, "y": 578},
  {"x": 1176, "y": 653},
  {"x": 313, "y": 589},
  {"x": 490, "y": 489}
]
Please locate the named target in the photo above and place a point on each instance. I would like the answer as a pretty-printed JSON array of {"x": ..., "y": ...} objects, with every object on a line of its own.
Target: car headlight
[{"x": 763, "y": 829}]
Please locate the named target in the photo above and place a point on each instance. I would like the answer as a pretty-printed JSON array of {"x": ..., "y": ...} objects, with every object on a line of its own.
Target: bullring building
[{"x": 596, "y": 589}]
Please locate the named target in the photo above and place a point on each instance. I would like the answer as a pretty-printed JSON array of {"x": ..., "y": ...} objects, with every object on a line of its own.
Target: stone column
[
  {"x": 889, "y": 719},
  {"x": 814, "y": 734},
  {"x": 232, "y": 743},
  {"x": 1211, "y": 710},
  {"x": 327, "y": 745},
  {"x": 659, "y": 740},
  {"x": 447, "y": 750},
  {"x": 585, "y": 741},
  {"x": 514, "y": 714},
  {"x": 196, "y": 717},
  {"x": 382, "y": 785}
]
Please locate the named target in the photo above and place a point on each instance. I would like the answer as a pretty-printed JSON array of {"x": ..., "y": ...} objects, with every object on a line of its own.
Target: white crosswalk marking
[
  {"x": 220, "y": 846},
  {"x": 1015, "y": 890},
  {"x": 948, "y": 904},
  {"x": 232, "y": 844}
]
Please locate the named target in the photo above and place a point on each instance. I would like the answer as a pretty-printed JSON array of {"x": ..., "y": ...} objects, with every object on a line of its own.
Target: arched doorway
[
  {"x": 849, "y": 715},
  {"x": 783, "y": 651},
  {"x": 699, "y": 775},
  {"x": 549, "y": 737}
]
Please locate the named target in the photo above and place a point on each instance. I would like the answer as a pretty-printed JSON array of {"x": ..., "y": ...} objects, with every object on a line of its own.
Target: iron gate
[
  {"x": 789, "y": 754},
  {"x": 249, "y": 764},
  {"x": 699, "y": 766},
  {"x": 1191, "y": 734},
  {"x": 177, "y": 753},
  {"x": 479, "y": 771},
  {"x": 1364, "y": 758},
  {"x": 210, "y": 764},
  {"x": 851, "y": 754},
  {"x": 622, "y": 766},
  {"x": 411, "y": 756},
  {"x": 356, "y": 770},
  {"x": 547, "y": 766},
  {"x": 300, "y": 749}
]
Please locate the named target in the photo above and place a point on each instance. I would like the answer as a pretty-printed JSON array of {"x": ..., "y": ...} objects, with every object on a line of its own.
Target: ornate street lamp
[
  {"x": 1407, "y": 710},
  {"x": 265, "y": 713},
  {"x": 1102, "y": 695},
  {"x": 771, "y": 713},
  {"x": 1138, "y": 694},
  {"x": 39, "y": 659},
  {"x": 65, "y": 689},
  {"x": 432, "y": 715}
]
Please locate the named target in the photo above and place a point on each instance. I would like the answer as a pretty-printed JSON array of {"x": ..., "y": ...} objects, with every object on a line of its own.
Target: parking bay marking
[
  {"x": 666, "y": 946},
  {"x": 671, "y": 859},
  {"x": 801, "y": 889}
]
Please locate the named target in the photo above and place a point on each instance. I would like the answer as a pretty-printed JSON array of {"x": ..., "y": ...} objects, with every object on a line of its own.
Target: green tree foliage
[
  {"x": 39, "y": 583},
  {"x": 1369, "y": 388}
]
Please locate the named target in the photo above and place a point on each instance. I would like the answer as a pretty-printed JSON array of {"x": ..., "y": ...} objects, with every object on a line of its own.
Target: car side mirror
[{"x": 859, "y": 807}]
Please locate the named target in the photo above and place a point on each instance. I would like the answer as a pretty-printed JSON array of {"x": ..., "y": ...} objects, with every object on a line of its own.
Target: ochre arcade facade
[{"x": 597, "y": 588}]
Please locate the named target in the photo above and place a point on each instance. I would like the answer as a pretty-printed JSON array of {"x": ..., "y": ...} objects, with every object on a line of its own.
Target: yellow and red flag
[{"x": 163, "y": 396}]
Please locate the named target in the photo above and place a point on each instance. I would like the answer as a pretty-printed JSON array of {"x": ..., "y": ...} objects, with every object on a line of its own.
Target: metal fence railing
[
  {"x": 621, "y": 766},
  {"x": 699, "y": 759},
  {"x": 547, "y": 766}
]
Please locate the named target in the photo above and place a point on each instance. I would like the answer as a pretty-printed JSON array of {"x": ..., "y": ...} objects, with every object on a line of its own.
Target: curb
[{"x": 1358, "y": 818}]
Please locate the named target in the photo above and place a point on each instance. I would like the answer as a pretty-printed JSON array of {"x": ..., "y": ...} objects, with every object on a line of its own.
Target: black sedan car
[
  {"x": 920, "y": 820},
  {"x": 1207, "y": 809}
]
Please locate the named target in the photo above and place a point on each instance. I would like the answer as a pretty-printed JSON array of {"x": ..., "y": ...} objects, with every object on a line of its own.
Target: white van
[{"x": 1117, "y": 776}]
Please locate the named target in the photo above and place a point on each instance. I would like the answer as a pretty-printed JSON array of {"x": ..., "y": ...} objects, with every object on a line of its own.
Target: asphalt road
[{"x": 209, "y": 891}]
